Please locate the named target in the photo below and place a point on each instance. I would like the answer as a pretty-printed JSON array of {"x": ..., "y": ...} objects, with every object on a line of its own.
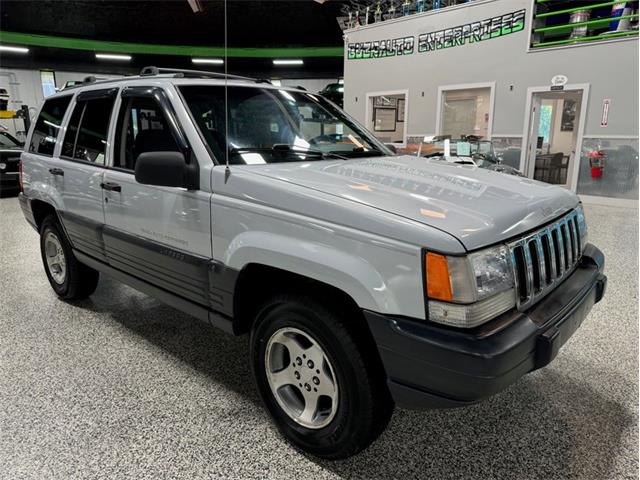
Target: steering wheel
[{"x": 332, "y": 138}]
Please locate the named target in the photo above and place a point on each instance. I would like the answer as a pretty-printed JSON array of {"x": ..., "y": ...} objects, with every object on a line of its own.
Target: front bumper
[{"x": 430, "y": 366}]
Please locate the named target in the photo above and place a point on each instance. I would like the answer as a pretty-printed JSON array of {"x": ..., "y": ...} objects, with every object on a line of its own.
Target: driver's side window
[{"x": 142, "y": 127}]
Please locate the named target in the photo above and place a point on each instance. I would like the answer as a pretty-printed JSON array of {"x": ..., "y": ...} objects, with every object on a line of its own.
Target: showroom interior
[{"x": 425, "y": 140}]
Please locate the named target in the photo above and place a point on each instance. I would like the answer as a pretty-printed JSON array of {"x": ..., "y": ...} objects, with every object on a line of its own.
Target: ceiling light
[
  {"x": 110, "y": 56},
  {"x": 288, "y": 62},
  {"x": 196, "y": 6},
  {"x": 7, "y": 48},
  {"x": 212, "y": 61}
]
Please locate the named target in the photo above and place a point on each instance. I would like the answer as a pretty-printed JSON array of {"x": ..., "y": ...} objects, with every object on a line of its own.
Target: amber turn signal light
[{"x": 438, "y": 280}]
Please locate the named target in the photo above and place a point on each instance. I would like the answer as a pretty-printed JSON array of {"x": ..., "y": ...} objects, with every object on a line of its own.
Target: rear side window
[
  {"x": 86, "y": 136},
  {"x": 45, "y": 133}
]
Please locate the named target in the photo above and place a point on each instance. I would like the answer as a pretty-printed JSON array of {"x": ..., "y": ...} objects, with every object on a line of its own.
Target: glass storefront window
[
  {"x": 48, "y": 80},
  {"x": 466, "y": 112},
  {"x": 387, "y": 117},
  {"x": 609, "y": 168}
]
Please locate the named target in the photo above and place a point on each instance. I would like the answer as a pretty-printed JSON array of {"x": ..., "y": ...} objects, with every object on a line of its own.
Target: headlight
[
  {"x": 468, "y": 291},
  {"x": 582, "y": 227},
  {"x": 3, "y": 166}
]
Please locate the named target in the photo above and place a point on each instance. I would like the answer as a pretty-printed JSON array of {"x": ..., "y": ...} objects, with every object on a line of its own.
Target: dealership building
[{"x": 507, "y": 72}]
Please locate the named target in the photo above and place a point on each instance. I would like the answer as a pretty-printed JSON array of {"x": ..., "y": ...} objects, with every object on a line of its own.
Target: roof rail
[{"x": 152, "y": 71}]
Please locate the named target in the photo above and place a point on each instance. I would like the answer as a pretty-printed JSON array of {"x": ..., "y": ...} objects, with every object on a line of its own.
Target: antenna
[{"x": 227, "y": 170}]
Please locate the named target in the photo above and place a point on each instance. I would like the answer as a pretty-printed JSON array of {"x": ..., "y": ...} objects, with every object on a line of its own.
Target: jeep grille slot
[
  {"x": 520, "y": 270},
  {"x": 542, "y": 259},
  {"x": 537, "y": 264},
  {"x": 548, "y": 258}
]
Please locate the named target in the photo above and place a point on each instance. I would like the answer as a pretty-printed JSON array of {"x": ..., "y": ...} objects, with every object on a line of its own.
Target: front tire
[
  {"x": 69, "y": 278},
  {"x": 316, "y": 381}
]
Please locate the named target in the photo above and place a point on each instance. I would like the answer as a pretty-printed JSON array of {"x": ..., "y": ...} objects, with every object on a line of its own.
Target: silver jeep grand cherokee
[{"x": 365, "y": 280}]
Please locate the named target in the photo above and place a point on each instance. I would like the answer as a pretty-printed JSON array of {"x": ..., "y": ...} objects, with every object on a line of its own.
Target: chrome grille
[{"x": 544, "y": 258}]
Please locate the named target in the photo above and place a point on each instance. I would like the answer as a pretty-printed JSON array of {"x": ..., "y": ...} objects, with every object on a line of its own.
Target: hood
[{"x": 478, "y": 206}]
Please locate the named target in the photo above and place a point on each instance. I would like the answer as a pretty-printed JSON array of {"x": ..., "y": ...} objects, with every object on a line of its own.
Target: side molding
[{"x": 201, "y": 313}]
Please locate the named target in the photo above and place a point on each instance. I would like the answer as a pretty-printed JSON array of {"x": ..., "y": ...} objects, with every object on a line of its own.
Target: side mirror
[
  {"x": 167, "y": 169},
  {"x": 391, "y": 147}
]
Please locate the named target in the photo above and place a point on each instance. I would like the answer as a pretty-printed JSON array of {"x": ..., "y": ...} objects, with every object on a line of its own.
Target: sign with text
[
  {"x": 473, "y": 32},
  {"x": 380, "y": 48}
]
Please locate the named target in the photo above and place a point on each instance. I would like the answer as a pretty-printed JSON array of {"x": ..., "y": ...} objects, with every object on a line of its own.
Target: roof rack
[{"x": 152, "y": 71}]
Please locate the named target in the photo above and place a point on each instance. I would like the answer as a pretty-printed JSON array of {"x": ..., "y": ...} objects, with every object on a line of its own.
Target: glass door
[{"x": 554, "y": 131}]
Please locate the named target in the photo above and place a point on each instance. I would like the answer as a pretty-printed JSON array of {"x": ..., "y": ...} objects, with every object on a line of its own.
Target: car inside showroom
[{"x": 319, "y": 239}]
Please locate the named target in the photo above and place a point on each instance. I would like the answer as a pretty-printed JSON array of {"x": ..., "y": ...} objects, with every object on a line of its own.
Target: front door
[
  {"x": 161, "y": 235},
  {"x": 555, "y": 127}
]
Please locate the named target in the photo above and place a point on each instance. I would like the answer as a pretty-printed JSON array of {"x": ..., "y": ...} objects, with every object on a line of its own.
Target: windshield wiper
[{"x": 286, "y": 148}]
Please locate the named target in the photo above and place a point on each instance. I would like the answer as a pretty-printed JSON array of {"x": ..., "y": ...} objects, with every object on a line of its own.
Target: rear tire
[
  {"x": 69, "y": 278},
  {"x": 357, "y": 406}
]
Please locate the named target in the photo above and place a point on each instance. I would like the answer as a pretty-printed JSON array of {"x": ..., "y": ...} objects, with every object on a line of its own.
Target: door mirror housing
[
  {"x": 167, "y": 169},
  {"x": 391, "y": 147}
]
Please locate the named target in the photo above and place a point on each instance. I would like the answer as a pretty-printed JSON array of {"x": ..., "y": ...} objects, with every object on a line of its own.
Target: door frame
[
  {"x": 572, "y": 180},
  {"x": 467, "y": 86},
  {"x": 368, "y": 111}
]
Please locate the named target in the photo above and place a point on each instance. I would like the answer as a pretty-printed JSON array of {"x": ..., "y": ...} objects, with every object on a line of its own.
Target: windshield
[
  {"x": 268, "y": 126},
  {"x": 7, "y": 140}
]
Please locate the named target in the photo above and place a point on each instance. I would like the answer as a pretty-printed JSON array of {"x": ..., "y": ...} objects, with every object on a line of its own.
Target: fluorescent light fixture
[
  {"x": 288, "y": 62},
  {"x": 111, "y": 56},
  {"x": 7, "y": 48},
  {"x": 210, "y": 61}
]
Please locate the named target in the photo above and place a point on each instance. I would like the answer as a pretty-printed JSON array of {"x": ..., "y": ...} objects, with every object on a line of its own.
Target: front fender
[{"x": 351, "y": 274}]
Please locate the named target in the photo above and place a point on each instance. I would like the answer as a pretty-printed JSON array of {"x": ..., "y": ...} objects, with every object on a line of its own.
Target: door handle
[
  {"x": 56, "y": 171},
  {"x": 111, "y": 187}
]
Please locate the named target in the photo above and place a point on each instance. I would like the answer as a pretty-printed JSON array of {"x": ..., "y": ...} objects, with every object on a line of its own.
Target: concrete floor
[{"x": 121, "y": 386}]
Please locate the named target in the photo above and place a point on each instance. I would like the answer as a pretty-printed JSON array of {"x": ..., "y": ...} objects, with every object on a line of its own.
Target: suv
[{"x": 365, "y": 280}]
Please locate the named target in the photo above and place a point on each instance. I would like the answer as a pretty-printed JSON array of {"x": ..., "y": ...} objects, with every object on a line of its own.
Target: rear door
[
  {"x": 159, "y": 234},
  {"x": 38, "y": 159},
  {"x": 79, "y": 168}
]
